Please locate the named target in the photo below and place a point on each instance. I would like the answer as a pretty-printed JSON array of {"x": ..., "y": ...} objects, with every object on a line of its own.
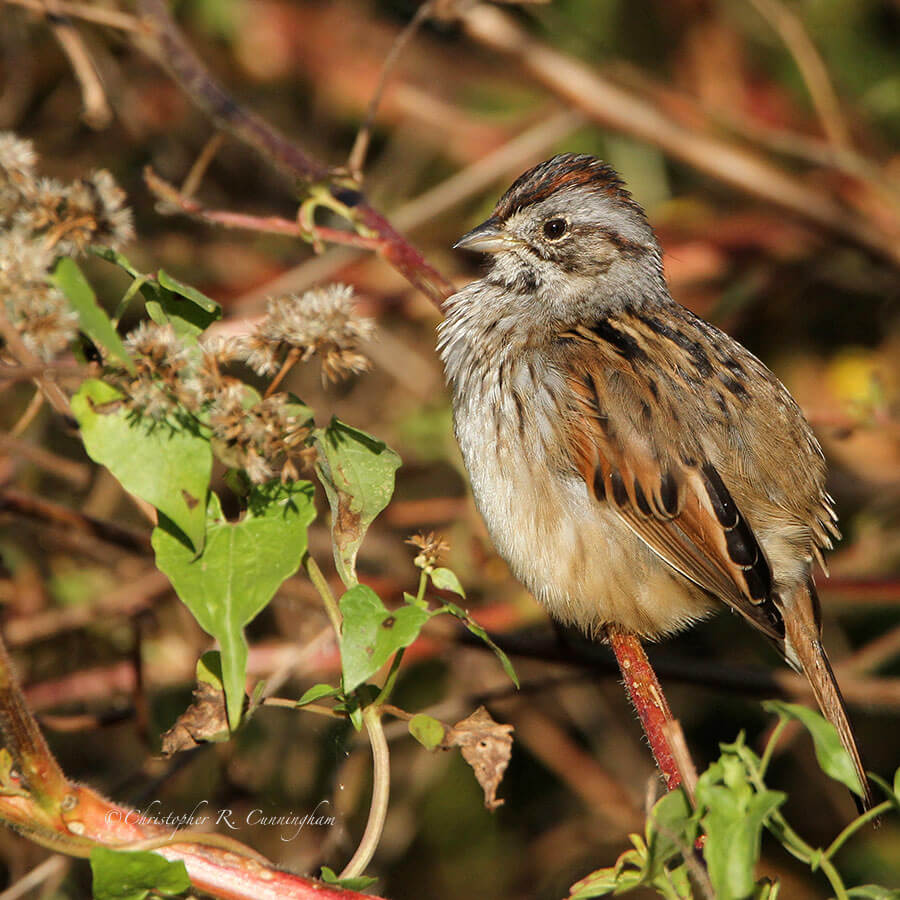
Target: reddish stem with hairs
[{"x": 649, "y": 701}]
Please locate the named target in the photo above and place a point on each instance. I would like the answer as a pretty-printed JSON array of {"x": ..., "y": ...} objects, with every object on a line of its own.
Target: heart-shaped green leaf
[{"x": 241, "y": 567}]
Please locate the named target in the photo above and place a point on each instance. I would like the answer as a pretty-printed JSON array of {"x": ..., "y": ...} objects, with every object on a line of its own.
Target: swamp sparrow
[{"x": 635, "y": 466}]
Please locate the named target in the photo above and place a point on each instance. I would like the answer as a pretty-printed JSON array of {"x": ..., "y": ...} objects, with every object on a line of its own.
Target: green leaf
[
  {"x": 371, "y": 633},
  {"x": 188, "y": 310},
  {"x": 479, "y": 631},
  {"x": 833, "y": 759},
  {"x": 209, "y": 669},
  {"x": 167, "y": 463},
  {"x": 189, "y": 293},
  {"x": 415, "y": 601},
  {"x": 131, "y": 875},
  {"x": 671, "y": 828},
  {"x": 360, "y": 883},
  {"x": 873, "y": 892},
  {"x": 354, "y": 713},
  {"x": 92, "y": 318},
  {"x": 317, "y": 692},
  {"x": 357, "y": 472},
  {"x": 116, "y": 258},
  {"x": 597, "y": 884},
  {"x": 428, "y": 731},
  {"x": 241, "y": 567},
  {"x": 766, "y": 889},
  {"x": 446, "y": 580},
  {"x": 733, "y": 819}
]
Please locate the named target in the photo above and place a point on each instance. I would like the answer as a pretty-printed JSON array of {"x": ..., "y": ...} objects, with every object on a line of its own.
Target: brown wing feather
[{"x": 680, "y": 508}]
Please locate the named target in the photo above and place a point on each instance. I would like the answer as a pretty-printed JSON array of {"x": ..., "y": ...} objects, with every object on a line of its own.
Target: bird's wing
[{"x": 630, "y": 456}]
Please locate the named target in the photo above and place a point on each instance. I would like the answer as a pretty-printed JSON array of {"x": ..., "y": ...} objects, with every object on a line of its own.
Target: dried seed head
[
  {"x": 47, "y": 322},
  {"x": 41, "y": 219},
  {"x": 69, "y": 217},
  {"x": 220, "y": 350},
  {"x": 147, "y": 398},
  {"x": 322, "y": 321},
  {"x": 24, "y": 263},
  {"x": 158, "y": 352},
  {"x": 115, "y": 224},
  {"x": 264, "y": 439},
  {"x": 37, "y": 309},
  {"x": 160, "y": 388},
  {"x": 432, "y": 549},
  {"x": 17, "y": 161},
  {"x": 257, "y": 352}
]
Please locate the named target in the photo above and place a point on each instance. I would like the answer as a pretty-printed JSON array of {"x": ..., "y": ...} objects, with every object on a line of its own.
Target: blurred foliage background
[{"x": 106, "y": 651}]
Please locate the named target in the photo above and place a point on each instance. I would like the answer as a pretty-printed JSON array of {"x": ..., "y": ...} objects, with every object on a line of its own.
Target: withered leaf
[
  {"x": 203, "y": 721},
  {"x": 486, "y": 746}
]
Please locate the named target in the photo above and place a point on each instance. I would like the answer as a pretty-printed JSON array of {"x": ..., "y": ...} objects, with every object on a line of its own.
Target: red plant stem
[
  {"x": 86, "y": 819},
  {"x": 649, "y": 701},
  {"x": 38, "y": 801}
]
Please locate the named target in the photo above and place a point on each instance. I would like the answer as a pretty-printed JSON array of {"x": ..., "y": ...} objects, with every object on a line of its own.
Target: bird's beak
[{"x": 488, "y": 237}]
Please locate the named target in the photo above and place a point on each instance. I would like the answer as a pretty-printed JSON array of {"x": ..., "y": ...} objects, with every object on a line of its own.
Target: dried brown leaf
[
  {"x": 486, "y": 746},
  {"x": 203, "y": 721}
]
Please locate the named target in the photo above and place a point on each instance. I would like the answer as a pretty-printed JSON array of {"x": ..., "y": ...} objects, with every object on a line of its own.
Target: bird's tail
[{"x": 803, "y": 648}]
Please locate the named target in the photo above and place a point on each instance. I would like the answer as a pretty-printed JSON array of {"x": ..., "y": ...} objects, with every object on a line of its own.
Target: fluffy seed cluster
[
  {"x": 161, "y": 386},
  {"x": 178, "y": 382},
  {"x": 265, "y": 439},
  {"x": 322, "y": 322},
  {"x": 40, "y": 220}
]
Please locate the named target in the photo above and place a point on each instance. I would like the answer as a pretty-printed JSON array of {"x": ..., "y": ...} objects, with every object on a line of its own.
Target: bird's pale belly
[{"x": 585, "y": 565}]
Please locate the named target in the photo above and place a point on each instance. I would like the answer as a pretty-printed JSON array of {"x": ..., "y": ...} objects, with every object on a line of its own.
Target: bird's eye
[{"x": 555, "y": 228}]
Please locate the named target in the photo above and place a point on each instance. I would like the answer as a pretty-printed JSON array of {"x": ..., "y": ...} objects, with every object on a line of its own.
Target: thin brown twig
[
  {"x": 882, "y": 649},
  {"x": 11, "y": 374},
  {"x": 790, "y": 29},
  {"x": 777, "y": 139},
  {"x": 290, "y": 361},
  {"x": 97, "y": 113},
  {"x": 171, "y": 196},
  {"x": 17, "y": 349},
  {"x": 28, "y": 416},
  {"x": 123, "y": 602},
  {"x": 168, "y": 46},
  {"x": 357, "y": 158},
  {"x": 201, "y": 164},
  {"x": 32, "y": 507},
  {"x": 576, "y": 767},
  {"x": 77, "y": 474},
  {"x": 99, "y": 15},
  {"x": 881, "y": 692},
  {"x": 52, "y": 867}
]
